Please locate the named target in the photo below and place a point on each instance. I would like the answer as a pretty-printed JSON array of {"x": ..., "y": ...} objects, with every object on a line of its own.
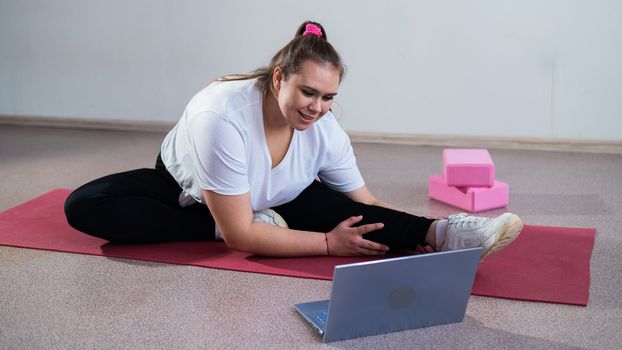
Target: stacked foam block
[{"x": 468, "y": 181}]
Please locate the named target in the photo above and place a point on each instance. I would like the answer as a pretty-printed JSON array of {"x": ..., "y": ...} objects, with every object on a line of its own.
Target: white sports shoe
[
  {"x": 271, "y": 217},
  {"x": 492, "y": 234}
]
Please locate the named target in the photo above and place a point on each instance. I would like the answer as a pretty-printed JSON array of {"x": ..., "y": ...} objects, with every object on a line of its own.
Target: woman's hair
[{"x": 306, "y": 44}]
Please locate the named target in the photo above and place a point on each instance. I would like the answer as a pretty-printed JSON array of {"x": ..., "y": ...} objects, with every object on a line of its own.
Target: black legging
[{"x": 141, "y": 206}]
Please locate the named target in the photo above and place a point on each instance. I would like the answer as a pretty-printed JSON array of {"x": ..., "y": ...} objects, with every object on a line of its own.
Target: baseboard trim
[
  {"x": 87, "y": 123},
  {"x": 520, "y": 143}
]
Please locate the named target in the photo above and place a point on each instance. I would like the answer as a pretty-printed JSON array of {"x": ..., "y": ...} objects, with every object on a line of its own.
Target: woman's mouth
[{"x": 306, "y": 118}]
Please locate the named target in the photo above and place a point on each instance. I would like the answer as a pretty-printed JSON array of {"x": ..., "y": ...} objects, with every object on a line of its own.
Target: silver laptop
[{"x": 395, "y": 294}]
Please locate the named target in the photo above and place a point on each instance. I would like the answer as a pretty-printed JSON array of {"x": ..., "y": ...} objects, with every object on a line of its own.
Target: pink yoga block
[
  {"x": 468, "y": 167},
  {"x": 471, "y": 199}
]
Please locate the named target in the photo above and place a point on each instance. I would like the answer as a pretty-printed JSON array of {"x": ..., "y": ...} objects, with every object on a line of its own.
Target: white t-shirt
[{"x": 219, "y": 144}]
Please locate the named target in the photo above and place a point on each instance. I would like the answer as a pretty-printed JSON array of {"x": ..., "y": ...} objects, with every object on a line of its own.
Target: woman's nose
[{"x": 315, "y": 106}]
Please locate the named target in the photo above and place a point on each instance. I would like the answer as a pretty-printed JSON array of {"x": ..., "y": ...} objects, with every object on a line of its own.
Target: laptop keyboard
[{"x": 321, "y": 317}]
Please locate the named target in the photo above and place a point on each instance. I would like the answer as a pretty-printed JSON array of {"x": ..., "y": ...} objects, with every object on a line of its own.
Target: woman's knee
[
  {"x": 83, "y": 206},
  {"x": 78, "y": 208}
]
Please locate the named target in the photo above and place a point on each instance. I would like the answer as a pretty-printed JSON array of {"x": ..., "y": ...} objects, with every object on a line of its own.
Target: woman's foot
[{"x": 492, "y": 234}]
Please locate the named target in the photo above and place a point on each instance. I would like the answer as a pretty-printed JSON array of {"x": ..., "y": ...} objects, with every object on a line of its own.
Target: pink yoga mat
[{"x": 547, "y": 264}]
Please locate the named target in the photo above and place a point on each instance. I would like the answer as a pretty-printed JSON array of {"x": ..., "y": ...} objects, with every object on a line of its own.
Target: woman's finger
[
  {"x": 429, "y": 249},
  {"x": 352, "y": 220},
  {"x": 365, "y": 251},
  {"x": 371, "y": 245},
  {"x": 363, "y": 229}
]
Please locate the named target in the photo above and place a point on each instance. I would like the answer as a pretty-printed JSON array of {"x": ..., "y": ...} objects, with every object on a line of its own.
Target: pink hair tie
[{"x": 312, "y": 29}]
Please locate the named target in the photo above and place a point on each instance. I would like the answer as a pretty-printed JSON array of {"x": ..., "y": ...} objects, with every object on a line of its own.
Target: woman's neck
[
  {"x": 273, "y": 118},
  {"x": 277, "y": 131}
]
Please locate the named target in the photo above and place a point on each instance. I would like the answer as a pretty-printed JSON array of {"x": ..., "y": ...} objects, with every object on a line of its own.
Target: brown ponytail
[{"x": 291, "y": 56}]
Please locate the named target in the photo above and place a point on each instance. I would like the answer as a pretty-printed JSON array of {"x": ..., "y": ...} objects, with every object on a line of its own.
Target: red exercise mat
[{"x": 548, "y": 264}]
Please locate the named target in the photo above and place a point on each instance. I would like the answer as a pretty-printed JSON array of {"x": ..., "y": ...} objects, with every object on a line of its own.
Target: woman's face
[{"x": 306, "y": 95}]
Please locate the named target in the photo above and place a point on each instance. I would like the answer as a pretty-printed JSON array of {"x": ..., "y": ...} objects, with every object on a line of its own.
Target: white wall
[{"x": 531, "y": 68}]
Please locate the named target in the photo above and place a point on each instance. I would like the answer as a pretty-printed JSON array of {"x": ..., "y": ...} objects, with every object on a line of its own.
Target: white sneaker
[
  {"x": 271, "y": 217},
  {"x": 492, "y": 234}
]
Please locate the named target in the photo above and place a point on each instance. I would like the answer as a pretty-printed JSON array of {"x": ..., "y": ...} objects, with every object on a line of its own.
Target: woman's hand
[
  {"x": 345, "y": 240},
  {"x": 424, "y": 249}
]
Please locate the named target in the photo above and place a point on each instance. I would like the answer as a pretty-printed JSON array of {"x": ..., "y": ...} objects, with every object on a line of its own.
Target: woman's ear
[{"x": 277, "y": 76}]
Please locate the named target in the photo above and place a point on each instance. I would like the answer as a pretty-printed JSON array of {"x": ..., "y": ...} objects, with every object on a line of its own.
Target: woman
[{"x": 251, "y": 148}]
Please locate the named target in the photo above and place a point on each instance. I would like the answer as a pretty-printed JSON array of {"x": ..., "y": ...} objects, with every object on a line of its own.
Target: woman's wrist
[{"x": 326, "y": 241}]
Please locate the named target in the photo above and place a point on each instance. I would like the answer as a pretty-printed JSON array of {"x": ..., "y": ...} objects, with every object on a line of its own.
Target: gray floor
[{"x": 57, "y": 300}]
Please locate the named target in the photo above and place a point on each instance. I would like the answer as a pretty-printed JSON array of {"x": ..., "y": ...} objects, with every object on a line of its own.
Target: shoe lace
[{"x": 469, "y": 221}]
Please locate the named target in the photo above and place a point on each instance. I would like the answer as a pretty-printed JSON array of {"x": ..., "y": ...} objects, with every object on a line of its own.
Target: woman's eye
[
  {"x": 327, "y": 98},
  {"x": 307, "y": 93}
]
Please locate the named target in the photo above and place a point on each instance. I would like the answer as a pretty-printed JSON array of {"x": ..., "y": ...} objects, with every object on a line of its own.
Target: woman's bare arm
[{"x": 234, "y": 217}]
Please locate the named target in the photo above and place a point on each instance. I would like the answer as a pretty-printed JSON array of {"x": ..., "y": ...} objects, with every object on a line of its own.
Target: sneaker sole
[{"x": 505, "y": 238}]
